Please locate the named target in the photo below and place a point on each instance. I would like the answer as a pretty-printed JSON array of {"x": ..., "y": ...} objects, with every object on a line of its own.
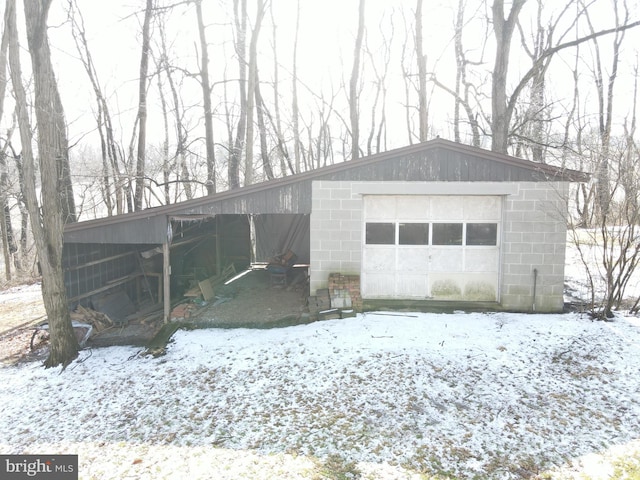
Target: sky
[{"x": 326, "y": 40}]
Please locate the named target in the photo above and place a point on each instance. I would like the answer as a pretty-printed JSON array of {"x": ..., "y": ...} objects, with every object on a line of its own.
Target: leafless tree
[
  {"x": 179, "y": 163},
  {"x": 354, "y": 79},
  {"x": 251, "y": 91},
  {"x": 112, "y": 178},
  {"x": 605, "y": 107},
  {"x": 295, "y": 109},
  {"x": 421, "y": 59},
  {"x": 276, "y": 124},
  {"x": 261, "y": 108},
  {"x": 205, "y": 84},
  {"x": 503, "y": 105},
  {"x": 613, "y": 242},
  {"x": 47, "y": 220},
  {"x": 9, "y": 246},
  {"x": 237, "y": 145},
  {"x": 503, "y": 29},
  {"x": 141, "y": 119},
  {"x": 378, "y": 129}
]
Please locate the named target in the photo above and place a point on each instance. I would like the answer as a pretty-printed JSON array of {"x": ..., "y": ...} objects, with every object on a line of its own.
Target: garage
[
  {"x": 431, "y": 222},
  {"x": 436, "y": 247}
]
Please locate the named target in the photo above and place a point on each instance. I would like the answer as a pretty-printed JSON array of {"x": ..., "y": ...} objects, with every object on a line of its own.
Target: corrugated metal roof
[{"x": 544, "y": 171}]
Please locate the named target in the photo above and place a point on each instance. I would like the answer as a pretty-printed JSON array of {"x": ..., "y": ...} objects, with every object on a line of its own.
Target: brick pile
[
  {"x": 181, "y": 311},
  {"x": 344, "y": 291}
]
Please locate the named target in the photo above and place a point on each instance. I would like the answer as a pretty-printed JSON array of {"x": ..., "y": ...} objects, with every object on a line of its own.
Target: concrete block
[
  {"x": 535, "y": 194},
  {"x": 340, "y": 255},
  {"x": 520, "y": 248},
  {"x": 512, "y": 258},
  {"x": 330, "y": 204},
  {"x": 520, "y": 269},
  {"x": 341, "y": 193},
  {"x": 520, "y": 289},
  {"x": 320, "y": 193},
  {"x": 339, "y": 214},
  {"x": 532, "y": 259},
  {"x": 523, "y": 227}
]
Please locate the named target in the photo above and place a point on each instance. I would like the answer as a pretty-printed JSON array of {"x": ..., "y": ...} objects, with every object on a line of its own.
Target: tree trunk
[
  {"x": 113, "y": 180},
  {"x": 423, "y": 114},
  {"x": 206, "y": 102},
  {"x": 295, "y": 109},
  {"x": 6, "y": 230},
  {"x": 241, "y": 46},
  {"x": 354, "y": 111},
  {"x": 503, "y": 30},
  {"x": 142, "y": 108},
  {"x": 166, "y": 167},
  {"x": 262, "y": 131},
  {"x": 283, "y": 154},
  {"x": 47, "y": 227},
  {"x": 251, "y": 97}
]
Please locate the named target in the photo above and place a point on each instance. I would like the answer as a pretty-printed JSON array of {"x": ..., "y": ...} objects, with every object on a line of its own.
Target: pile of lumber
[
  {"x": 205, "y": 288},
  {"x": 99, "y": 320}
]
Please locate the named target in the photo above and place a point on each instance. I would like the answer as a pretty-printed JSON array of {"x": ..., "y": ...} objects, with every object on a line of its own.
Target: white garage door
[{"x": 431, "y": 247}]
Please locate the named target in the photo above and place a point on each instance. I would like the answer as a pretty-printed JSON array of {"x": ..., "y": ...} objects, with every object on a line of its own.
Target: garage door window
[
  {"x": 442, "y": 234},
  {"x": 447, "y": 234},
  {"x": 482, "y": 234},
  {"x": 381, "y": 234},
  {"x": 413, "y": 234}
]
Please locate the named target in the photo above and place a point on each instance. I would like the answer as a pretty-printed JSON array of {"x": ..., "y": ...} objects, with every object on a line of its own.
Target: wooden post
[
  {"x": 166, "y": 276},
  {"x": 218, "y": 246}
]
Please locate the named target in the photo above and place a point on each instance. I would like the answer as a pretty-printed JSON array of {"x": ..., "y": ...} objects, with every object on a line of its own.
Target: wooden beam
[
  {"x": 219, "y": 220},
  {"x": 99, "y": 261},
  {"x": 166, "y": 279}
]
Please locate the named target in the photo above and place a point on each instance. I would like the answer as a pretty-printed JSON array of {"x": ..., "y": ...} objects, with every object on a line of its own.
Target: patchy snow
[
  {"x": 22, "y": 293},
  {"x": 390, "y": 395}
]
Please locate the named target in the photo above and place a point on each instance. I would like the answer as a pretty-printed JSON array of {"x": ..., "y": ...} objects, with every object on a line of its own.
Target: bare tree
[
  {"x": 180, "y": 161},
  {"x": 251, "y": 92},
  {"x": 354, "y": 110},
  {"x": 421, "y": 59},
  {"x": 111, "y": 153},
  {"x": 378, "y": 130},
  {"x": 503, "y": 105},
  {"x": 276, "y": 125},
  {"x": 47, "y": 220},
  {"x": 141, "y": 119},
  {"x": 238, "y": 145},
  {"x": 9, "y": 246},
  {"x": 206, "y": 101},
  {"x": 613, "y": 243},
  {"x": 605, "y": 109},
  {"x": 503, "y": 29},
  {"x": 262, "y": 131},
  {"x": 295, "y": 109}
]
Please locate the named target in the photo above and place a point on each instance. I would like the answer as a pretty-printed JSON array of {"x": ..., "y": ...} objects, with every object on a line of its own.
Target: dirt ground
[
  {"x": 249, "y": 302},
  {"x": 20, "y": 309}
]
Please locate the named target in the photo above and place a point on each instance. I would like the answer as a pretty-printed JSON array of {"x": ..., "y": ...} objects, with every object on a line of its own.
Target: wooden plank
[
  {"x": 206, "y": 287},
  {"x": 193, "y": 292},
  {"x": 166, "y": 281}
]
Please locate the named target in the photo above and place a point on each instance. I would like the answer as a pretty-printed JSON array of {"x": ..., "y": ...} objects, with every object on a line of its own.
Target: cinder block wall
[
  {"x": 533, "y": 238},
  {"x": 336, "y": 232}
]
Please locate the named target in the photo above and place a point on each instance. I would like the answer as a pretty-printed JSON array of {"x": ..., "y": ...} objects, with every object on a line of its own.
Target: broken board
[
  {"x": 116, "y": 305},
  {"x": 206, "y": 287}
]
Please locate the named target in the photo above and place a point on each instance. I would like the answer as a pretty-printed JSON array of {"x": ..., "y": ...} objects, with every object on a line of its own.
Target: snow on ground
[{"x": 389, "y": 395}]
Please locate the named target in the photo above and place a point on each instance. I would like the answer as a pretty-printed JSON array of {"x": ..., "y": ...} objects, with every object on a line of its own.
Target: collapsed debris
[{"x": 98, "y": 320}]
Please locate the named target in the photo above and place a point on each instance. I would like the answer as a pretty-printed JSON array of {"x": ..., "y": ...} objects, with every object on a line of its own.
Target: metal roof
[{"x": 295, "y": 188}]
